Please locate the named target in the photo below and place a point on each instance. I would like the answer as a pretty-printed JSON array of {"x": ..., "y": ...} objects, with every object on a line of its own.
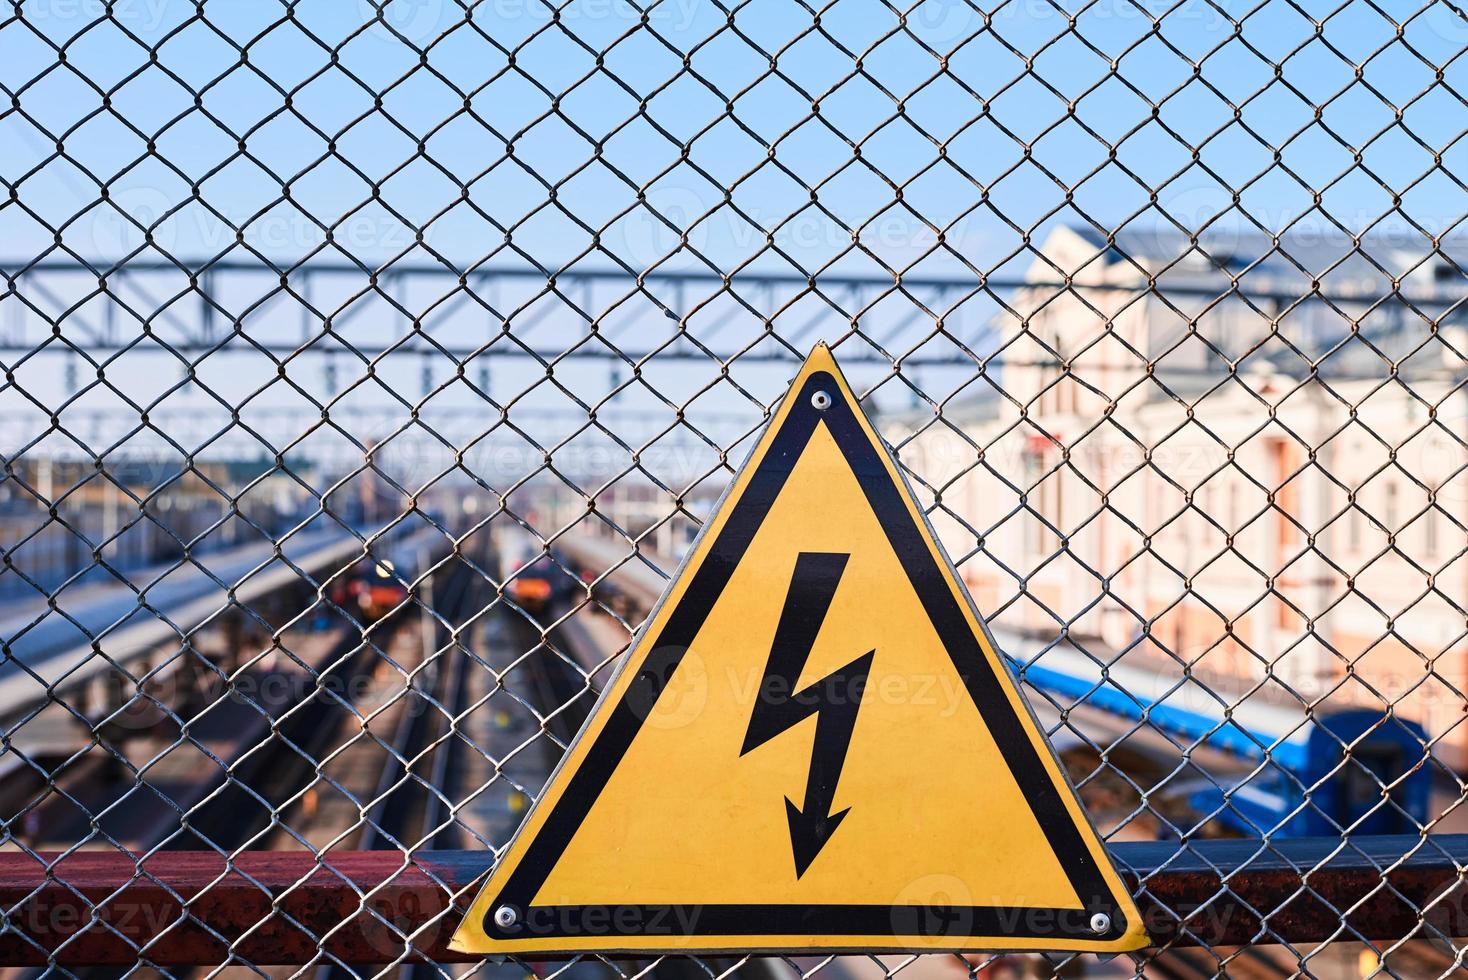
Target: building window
[
  {"x": 1034, "y": 494},
  {"x": 1353, "y": 521}
]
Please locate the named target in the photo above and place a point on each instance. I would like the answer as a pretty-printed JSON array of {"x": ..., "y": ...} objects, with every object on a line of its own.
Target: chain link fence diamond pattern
[{"x": 368, "y": 367}]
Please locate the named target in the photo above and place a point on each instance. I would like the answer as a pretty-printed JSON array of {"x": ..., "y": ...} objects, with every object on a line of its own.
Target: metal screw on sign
[
  {"x": 1100, "y": 923},
  {"x": 821, "y": 401},
  {"x": 504, "y": 917}
]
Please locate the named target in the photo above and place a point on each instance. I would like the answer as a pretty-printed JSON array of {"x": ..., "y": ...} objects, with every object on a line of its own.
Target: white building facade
[{"x": 1250, "y": 471}]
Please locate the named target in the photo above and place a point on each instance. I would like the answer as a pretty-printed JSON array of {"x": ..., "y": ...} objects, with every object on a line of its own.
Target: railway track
[
  {"x": 564, "y": 663},
  {"x": 422, "y": 785},
  {"x": 246, "y": 802},
  {"x": 1250, "y": 963},
  {"x": 420, "y": 774},
  {"x": 240, "y": 806},
  {"x": 409, "y": 811}
]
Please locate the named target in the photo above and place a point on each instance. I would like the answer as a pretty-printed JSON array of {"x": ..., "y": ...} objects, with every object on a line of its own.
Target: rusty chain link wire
[{"x": 369, "y": 366}]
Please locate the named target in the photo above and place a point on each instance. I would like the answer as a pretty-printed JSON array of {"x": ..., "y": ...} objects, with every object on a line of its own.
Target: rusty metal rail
[{"x": 274, "y": 908}]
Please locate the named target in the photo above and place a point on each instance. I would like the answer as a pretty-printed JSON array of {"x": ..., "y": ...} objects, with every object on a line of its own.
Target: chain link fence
[{"x": 368, "y": 368}]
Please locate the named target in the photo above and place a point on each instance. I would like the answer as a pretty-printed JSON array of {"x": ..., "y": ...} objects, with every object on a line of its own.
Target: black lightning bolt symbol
[{"x": 834, "y": 699}]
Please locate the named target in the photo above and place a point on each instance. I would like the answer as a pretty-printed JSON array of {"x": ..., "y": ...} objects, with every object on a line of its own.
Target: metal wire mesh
[{"x": 369, "y": 366}]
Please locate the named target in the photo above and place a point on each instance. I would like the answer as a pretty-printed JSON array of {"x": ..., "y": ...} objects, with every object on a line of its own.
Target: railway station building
[{"x": 1183, "y": 465}]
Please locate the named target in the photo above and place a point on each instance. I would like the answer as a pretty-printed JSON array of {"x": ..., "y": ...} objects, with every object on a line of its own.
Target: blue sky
[
  {"x": 637, "y": 121},
  {"x": 725, "y": 111}
]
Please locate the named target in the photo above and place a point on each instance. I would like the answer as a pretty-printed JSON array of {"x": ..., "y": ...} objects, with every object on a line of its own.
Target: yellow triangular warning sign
[{"x": 812, "y": 745}]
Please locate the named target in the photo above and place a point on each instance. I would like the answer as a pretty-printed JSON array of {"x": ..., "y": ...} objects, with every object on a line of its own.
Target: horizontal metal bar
[
  {"x": 187, "y": 908},
  {"x": 1216, "y": 282},
  {"x": 193, "y": 268}
]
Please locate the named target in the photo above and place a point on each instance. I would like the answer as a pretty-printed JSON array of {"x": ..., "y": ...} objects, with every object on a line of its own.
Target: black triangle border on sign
[{"x": 929, "y": 925}]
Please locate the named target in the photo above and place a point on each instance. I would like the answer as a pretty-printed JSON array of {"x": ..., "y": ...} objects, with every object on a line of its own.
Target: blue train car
[
  {"x": 1299, "y": 774},
  {"x": 1361, "y": 770}
]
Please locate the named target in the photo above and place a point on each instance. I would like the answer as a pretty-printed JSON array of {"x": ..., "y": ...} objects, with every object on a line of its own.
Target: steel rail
[
  {"x": 406, "y": 809},
  {"x": 402, "y": 799}
]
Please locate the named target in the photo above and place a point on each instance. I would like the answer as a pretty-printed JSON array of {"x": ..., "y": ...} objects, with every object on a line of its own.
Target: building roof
[
  {"x": 1294, "y": 262},
  {"x": 1307, "y": 302},
  {"x": 1337, "y": 310}
]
